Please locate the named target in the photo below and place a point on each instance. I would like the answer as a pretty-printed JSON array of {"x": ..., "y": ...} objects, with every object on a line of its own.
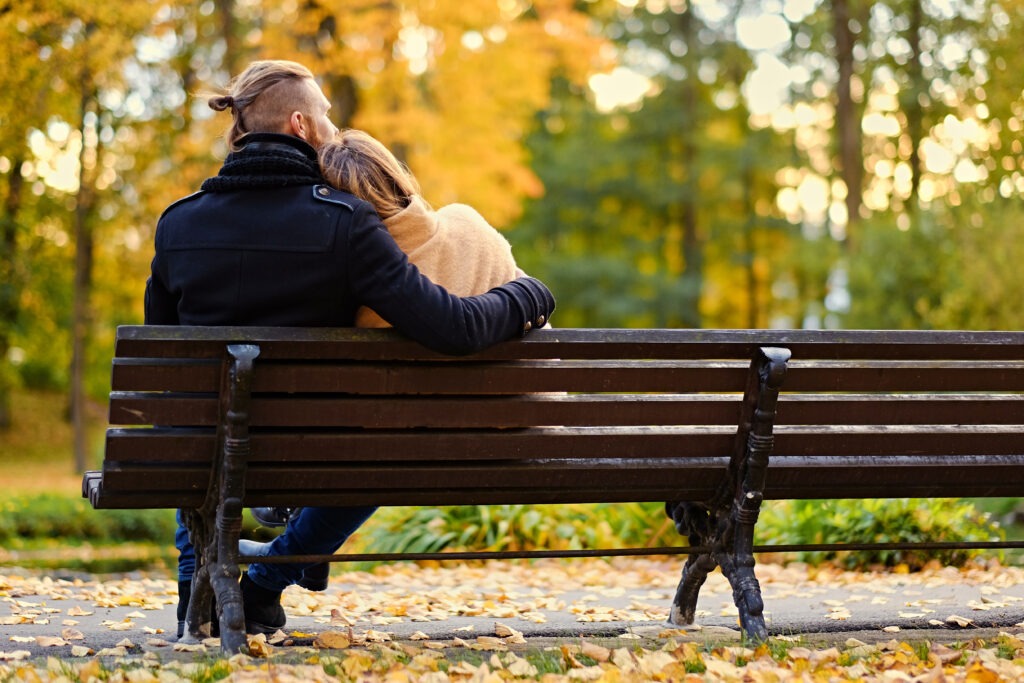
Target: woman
[{"x": 453, "y": 246}]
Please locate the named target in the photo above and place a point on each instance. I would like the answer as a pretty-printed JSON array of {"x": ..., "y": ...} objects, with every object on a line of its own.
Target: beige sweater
[{"x": 454, "y": 246}]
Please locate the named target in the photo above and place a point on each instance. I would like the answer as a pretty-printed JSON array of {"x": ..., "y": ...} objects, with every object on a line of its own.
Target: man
[{"x": 266, "y": 242}]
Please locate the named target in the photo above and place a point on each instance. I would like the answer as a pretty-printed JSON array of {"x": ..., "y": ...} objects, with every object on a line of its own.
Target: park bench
[{"x": 709, "y": 421}]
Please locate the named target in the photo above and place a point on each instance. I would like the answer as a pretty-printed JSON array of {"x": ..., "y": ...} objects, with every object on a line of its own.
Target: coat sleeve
[{"x": 383, "y": 279}]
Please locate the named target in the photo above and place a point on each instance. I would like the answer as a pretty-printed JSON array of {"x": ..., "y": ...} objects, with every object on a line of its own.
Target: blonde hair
[
  {"x": 263, "y": 97},
  {"x": 358, "y": 163}
]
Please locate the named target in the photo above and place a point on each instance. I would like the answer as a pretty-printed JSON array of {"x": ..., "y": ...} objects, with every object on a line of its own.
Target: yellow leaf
[
  {"x": 356, "y": 665},
  {"x": 979, "y": 673}
]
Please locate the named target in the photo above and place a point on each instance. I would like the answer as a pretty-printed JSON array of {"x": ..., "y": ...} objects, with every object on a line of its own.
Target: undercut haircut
[{"x": 263, "y": 97}]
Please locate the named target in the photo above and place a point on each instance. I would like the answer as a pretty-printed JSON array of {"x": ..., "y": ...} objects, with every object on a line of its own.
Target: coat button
[
  {"x": 324, "y": 192},
  {"x": 540, "y": 321},
  {"x": 528, "y": 326}
]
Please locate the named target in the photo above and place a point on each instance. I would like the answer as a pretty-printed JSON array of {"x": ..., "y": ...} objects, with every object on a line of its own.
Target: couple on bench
[{"x": 307, "y": 225}]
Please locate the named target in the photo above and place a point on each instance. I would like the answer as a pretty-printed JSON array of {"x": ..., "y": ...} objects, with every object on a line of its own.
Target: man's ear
[{"x": 297, "y": 125}]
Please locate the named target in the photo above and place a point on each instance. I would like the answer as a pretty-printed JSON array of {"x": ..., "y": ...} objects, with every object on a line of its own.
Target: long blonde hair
[
  {"x": 262, "y": 97},
  {"x": 358, "y": 163}
]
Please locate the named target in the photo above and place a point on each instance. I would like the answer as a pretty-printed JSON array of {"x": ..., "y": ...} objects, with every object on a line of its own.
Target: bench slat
[
  {"x": 575, "y": 376},
  {"x": 129, "y": 408},
  {"x": 155, "y": 374},
  {"x": 142, "y": 408},
  {"x": 304, "y": 448},
  {"x": 696, "y": 479},
  {"x": 284, "y": 343}
]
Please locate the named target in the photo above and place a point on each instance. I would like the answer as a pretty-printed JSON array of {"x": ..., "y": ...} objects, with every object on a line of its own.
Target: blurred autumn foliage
[{"x": 657, "y": 162}]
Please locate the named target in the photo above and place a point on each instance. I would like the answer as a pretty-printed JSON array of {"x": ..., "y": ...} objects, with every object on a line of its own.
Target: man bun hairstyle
[{"x": 262, "y": 98}]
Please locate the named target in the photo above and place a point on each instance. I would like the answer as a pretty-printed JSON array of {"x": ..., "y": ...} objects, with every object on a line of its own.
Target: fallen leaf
[
  {"x": 14, "y": 655},
  {"x": 259, "y": 647},
  {"x": 489, "y": 643},
  {"x": 522, "y": 668},
  {"x": 189, "y": 647},
  {"x": 377, "y": 636},
  {"x": 595, "y": 652},
  {"x": 332, "y": 640},
  {"x": 50, "y": 641},
  {"x": 504, "y": 631}
]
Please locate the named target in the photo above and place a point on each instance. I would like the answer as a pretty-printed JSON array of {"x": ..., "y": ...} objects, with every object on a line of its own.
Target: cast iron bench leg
[
  {"x": 215, "y": 527},
  {"x": 692, "y": 520},
  {"x": 725, "y": 525}
]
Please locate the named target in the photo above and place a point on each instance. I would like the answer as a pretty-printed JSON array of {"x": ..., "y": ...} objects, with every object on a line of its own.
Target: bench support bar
[
  {"x": 215, "y": 527},
  {"x": 726, "y": 523}
]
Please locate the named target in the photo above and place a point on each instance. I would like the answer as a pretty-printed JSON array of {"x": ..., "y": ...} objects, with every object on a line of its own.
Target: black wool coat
[{"x": 267, "y": 242}]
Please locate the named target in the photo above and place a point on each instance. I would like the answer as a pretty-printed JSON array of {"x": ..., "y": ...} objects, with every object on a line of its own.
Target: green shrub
[
  {"x": 571, "y": 527},
  {"x": 48, "y": 516},
  {"x": 556, "y": 527},
  {"x": 517, "y": 527},
  {"x": 877, "y": 521}
]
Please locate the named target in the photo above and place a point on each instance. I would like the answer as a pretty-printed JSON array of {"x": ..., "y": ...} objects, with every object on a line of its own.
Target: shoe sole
[
  {"x": 255, "y": 628},
  {"x": 316, "y": 587}
]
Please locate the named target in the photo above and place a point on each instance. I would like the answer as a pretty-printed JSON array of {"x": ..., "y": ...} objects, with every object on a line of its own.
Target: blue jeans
[{"x": 314, "y": 531}]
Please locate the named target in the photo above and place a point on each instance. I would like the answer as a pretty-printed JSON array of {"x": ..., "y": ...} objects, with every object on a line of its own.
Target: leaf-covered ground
[{"x": 405, "y": 623}]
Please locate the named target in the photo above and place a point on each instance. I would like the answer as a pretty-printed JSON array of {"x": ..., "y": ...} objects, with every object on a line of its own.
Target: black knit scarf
[{"x": 266, "y": 160}]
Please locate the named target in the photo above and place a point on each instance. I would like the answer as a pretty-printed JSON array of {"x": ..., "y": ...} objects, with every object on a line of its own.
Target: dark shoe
[
  {"x": 314, "y": 578},
  {"x": 263, "y": 611},
  {"x": 184, "y": 595},
  {"x": 273, "y": 517}
]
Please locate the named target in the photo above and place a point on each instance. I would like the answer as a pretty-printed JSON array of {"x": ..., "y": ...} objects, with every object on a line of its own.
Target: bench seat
[{"x": 704, "y": 420}]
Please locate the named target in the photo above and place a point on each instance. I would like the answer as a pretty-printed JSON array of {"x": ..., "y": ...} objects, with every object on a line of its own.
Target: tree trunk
[
  {"x": 851, "y": 164},
  {"x": 9, "y": 285},
  {"x": 81, "y": 310},
  {"x": 229, "y": 32},
  {"x": 693, "y": 242},
  {"x": 750, "y": 243},
  {"x": 912, "y": 106}
]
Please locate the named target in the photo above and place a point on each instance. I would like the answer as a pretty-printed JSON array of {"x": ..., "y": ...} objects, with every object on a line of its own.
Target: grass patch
[{"x": 36, "y": 453}]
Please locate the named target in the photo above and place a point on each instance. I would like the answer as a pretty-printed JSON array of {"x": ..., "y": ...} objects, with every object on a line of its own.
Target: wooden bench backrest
[{"x": 346, "y": 416}]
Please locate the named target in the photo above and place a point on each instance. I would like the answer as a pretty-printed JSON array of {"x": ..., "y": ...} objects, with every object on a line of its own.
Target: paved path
[{"x": 69, "y": 615}]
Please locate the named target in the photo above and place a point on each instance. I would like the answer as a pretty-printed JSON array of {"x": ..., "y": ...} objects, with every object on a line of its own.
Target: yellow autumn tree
[{"x": 452, "y": 86}]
